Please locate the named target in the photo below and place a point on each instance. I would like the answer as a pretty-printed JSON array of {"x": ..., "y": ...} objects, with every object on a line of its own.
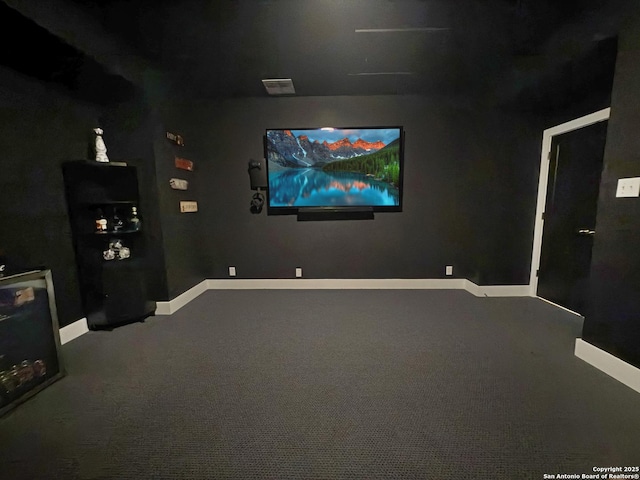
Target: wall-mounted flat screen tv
[{"x": 334, "y": 169}]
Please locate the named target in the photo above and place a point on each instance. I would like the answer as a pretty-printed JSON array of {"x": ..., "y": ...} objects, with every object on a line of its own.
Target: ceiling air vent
[{"x": 279, "y": 86}]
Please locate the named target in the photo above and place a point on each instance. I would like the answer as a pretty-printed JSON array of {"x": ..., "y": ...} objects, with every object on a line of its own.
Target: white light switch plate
[
  {"x": 628, "y": 187},
  {"x": 232, "y": 271},
  {"x": 188, "y": 207},
  {"x": 449, "y": 270},
  {"x": 298, "y": 272}
]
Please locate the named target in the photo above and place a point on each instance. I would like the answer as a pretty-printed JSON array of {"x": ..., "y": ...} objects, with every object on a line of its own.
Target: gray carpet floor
[{"x": 328, "y": 384}]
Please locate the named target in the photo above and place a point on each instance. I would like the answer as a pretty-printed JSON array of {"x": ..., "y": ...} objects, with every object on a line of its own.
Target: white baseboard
[
  {"x": 73, "y": 330},
  {"x": 609, "y": 364},
  {"x": 172, "y": 306},
  {"x": 335, "y": 283},
  {"x": 559, "y": 306},
  {"x": 78, "y": 328},
  {"x": 373, "y": 283},
  {"x": 497, "y": 290}
]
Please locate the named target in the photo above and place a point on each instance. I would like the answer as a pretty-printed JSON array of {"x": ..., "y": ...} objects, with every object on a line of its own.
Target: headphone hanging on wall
[
  {"x": 257, "y": 202},
  {"x": 257, "y": 183}
]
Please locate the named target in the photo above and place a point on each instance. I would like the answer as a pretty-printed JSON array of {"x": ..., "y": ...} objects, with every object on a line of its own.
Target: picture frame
[{"x": 30, "y": 355}]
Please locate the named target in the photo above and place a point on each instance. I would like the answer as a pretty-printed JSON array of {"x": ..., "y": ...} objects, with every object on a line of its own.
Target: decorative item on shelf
[
  {"x": 100, "y": 147},
  {"x": 116, "y": 250},
  {"x": 123, "y": 253},
  {"x": 184, "y": 164},
  {"x": 134, "y": 220},
  {"x": 101, "y": 222},
  {"x": 176, "y": 138},
  {"x": 117, "y": 222},
  {"x": 179, "y": 184}
]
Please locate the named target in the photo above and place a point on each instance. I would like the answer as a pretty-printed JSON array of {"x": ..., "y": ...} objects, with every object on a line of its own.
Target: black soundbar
[{"x": 343, "y": 213}]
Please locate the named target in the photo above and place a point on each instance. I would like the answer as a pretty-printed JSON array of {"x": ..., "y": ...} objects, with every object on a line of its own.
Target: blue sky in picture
[{"x": 386, "y": 135}]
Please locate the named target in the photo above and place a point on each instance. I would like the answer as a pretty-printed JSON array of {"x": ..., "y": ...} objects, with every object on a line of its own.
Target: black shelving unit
[{"x": 114, "y": 291}]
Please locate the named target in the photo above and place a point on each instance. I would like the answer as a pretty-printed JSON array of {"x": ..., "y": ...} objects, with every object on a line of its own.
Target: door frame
[{"x": 547, "y": 138}]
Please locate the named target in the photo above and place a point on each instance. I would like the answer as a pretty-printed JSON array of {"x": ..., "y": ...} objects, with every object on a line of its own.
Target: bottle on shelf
[
  {"x": 134, "y": 221},
  {"x": 101, "y": 222}
]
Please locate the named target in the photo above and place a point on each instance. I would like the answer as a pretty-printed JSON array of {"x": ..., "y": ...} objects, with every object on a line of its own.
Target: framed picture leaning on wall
[{"x": 30, "y": 357}]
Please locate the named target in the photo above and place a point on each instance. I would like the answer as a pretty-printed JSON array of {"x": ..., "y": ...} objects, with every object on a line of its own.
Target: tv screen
[{"x": 334, "y": 169}]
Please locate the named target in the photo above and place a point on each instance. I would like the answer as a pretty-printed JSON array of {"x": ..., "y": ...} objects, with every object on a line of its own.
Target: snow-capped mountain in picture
[{"x": 297, "y": 148}]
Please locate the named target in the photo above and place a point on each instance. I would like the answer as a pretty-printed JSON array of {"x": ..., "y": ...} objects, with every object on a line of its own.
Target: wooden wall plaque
[
  {"x": 176, "y": 138},
  {"x": 184, "y": 164}
]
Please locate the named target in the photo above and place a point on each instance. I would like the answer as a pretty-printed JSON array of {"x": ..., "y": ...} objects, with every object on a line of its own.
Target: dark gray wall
[
  {"x": 471, "y": 176},
  {"x": 137, "y": 134},
  {"x": 51, "y": 97},
  {"x": 40, "y": 128},
  {"x": 613, "y": 320},
  {"x": 185, "y": 249}
]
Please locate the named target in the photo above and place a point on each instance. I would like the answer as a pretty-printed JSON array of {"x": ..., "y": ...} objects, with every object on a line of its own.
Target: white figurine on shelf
[{"x": 101, "y": 148}]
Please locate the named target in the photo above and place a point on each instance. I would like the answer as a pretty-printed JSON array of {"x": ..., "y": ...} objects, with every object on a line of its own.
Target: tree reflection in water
[{"x": 311, "y": 187}]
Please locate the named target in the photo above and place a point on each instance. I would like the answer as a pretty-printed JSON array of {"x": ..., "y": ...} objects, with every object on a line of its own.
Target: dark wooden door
[{"x": 575, "y": 169}]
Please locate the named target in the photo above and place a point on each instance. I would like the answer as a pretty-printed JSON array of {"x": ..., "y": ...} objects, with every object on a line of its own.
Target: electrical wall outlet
[
  {"x": 628, "y": 187},
  {"x": 298, "y": 272},
  {"x": 448, "y": 270},
  {"x": 188, "y": 207},
  {"x": 232, "y": 271}
]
